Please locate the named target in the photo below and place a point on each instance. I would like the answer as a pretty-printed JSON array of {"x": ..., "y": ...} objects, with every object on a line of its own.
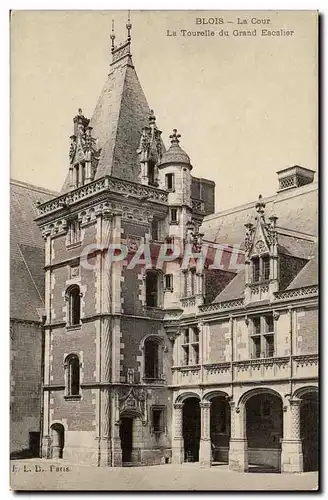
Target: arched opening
[
  {"x": 74, "y": 305},
  {"x": 154, "y": 288},
  {"x": 153, "y": 358},
  {"x": 131, "y": 438},
  {"x": 191, "y": 429},
  {"x": 220, "y": 429},
  {"x": 57, "y": 440},
  {"x": 309, "y": 430},
  {"x": 73, "y": 375},
  {"x": 264, "y": 430}
]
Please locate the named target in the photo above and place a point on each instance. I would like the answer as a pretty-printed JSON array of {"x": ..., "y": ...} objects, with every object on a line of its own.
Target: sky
[{"x": 245, "y": 106}]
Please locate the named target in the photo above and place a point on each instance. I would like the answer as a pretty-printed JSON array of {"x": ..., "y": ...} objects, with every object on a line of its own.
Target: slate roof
[
  {"x": 296, "y": 210},
  {"x": 234, "y": 290},
  {"x": 307, "y": 276},
  {"x": 120, "y": 114},
  {"x": 297, "y": 233},
  {"x": 175, "y": 154},
  {"x": 26, "y": 251}
]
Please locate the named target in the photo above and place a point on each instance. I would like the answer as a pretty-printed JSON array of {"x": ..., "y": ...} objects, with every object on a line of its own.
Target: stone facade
[{"x": 165, "y": 371}]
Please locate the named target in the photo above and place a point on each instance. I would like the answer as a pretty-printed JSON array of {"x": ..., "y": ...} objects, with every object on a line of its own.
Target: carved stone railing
[
  {"x": 215, "y": 368},
  {"x": 219, "y": 306},
  {"x": 306, "y": 359},
  {"x": 217, "y": 373},
  {"x": 306, "y": 365},
  {"x": 107, "y": 183},
  {"x": 297, "y": 293},
  {"x": 197, "y": 205},
  {"x": 184, "y": 375},
  {"x": 248, "y": 370},
  {"x": 188, "y": 302},
  {"x": 261, "y": 369}
]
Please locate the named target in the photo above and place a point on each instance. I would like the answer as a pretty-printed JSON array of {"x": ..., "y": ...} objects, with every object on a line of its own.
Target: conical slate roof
[
  {"x": 120, "y": 114},
  {"x": 175, "y": 154}
]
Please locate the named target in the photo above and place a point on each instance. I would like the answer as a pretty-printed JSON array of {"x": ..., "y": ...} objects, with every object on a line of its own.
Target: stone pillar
[
  {"x": 238, "y": 442},
  {"x": 205, "y": 452},
  {"x": 177, "y": 441},
  {"x": 291, "y": 450}
]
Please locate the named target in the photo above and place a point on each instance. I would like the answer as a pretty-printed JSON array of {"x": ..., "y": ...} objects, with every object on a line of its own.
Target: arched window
[
  {"x": 74, "y": 305},
  {"x": 153, "y": 358},
  {"x": 72, "y": 366},
  {"x": 154, "y": 288}
]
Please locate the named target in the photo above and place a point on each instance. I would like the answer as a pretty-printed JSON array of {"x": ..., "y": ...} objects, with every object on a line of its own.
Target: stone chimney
[{"x": 294, "y": 177}]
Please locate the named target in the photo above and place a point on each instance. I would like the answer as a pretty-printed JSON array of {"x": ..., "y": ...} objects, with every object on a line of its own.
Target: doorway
[
  {"x": 126, "y": 426},
  {"x": 57, "y": 440},
  {"x": 191, "y": 429},
  {"x": 309, "y": 431}
]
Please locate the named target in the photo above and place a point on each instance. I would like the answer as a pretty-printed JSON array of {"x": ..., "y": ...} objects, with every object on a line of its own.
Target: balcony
[{"x": 249, "y": 370}]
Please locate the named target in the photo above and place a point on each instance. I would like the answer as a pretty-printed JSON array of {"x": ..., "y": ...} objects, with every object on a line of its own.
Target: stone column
[
  {"x": 177, "y": 441},
  {"x": 238, "y": 442},
  {"x": 291, "y": 450},
  {"x": 205, "y": 452}
]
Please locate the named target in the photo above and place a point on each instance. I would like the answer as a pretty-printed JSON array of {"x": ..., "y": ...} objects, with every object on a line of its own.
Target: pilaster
[
  {"x": 205, "y": 453},
  {"x": 291, "y": 451},
  {"x": 238, "y": 443},
  {"x": 177, "y": 440}
]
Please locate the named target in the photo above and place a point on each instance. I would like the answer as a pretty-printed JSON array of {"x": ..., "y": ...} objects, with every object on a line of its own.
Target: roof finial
[
  {"x": 174, "y": 137},
  {"x": 260, "y": 205},
  {"x": 152, "y": 118},
  {"x": 129, "y": 26},
  {"x": 112, "y": 36}
]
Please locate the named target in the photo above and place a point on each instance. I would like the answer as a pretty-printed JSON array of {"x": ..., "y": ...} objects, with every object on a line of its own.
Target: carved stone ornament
[
  {"x": 134, "y": 401},
  {"x": 260, "y": 246},
  {"x": 133, "y": 243}
]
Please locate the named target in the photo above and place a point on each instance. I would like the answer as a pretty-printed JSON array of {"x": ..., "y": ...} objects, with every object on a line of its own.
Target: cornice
[{"x": 107, "y": 184}]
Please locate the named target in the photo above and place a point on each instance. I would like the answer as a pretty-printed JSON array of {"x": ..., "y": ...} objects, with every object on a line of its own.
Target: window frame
[
  {"x": 261, "y": 268},
  {"x": 168, "y": 282},
  {"x": 176, "y": 220},
  {"x": 262, "y": 335},
  {"x": 159, "y": 289},
  {"x": 191, "y": 346},
  {"x": 69, "y": 360},
  {"x": 163, "y": 425},
  {"x": 157, "y": 373},
  {"x": 170, "y": 175},
  {"x": 74, "y": 237},
  {"x": 72, "y": 308}
]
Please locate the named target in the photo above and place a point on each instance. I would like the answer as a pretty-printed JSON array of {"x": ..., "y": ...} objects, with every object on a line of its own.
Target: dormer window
[{"x": 261, "y": 268}]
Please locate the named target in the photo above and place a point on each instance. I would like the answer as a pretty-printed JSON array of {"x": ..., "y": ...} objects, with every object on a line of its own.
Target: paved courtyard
[{"x": 57, "y": 475}]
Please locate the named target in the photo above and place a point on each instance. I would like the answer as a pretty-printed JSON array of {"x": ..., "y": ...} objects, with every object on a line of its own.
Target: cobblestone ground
[{"x": 50, "y": 475}]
